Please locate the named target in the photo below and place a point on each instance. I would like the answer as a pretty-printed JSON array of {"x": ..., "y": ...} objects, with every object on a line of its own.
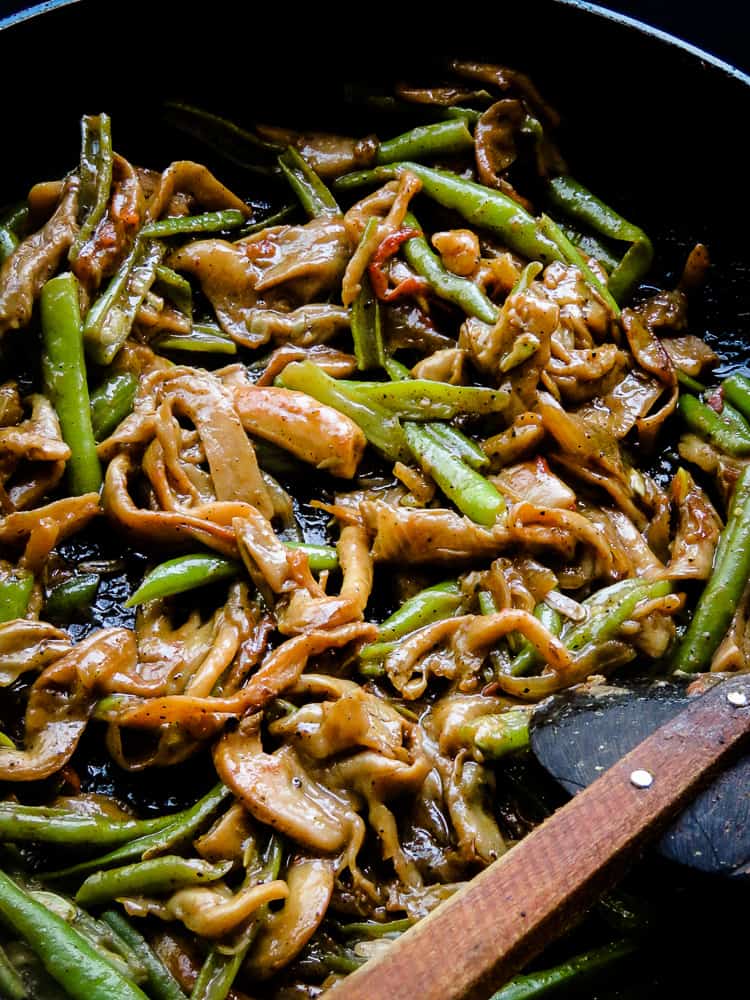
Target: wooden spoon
[{"x": 478, "y": 939}]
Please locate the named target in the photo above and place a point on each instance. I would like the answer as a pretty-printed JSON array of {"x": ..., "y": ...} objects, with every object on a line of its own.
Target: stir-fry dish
[{"x": 320, "y": 466}]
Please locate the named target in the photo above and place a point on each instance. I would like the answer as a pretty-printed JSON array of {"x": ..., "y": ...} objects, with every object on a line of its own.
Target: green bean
[
  {"x": 459, "y": 445},
  {"x": 64, "y": 372},
  {"x": 182, "y": 574},
  {"x": 283, "y": 215},
  {"x": 99, "y": 935},
  {"x": 8, "y": 243},
  {"x": 319, "y": 557},
  {"x": 111, "y": 402},
  {"x": 161, "y": 983},
  {"x": 366, "y": 326},
  {"x": 6, "y": 741},
  {"x": 528, "y": 656},
  {"x": 538, "y": 984},
  {"x": 177, "y": 289},
  {"x": 445, "y": 138},
  {"x": 60, "y": 826},
  {"x": 577, "y": 202},
  {"x": 450, "y": 437},
  {"x": 171, "y": 831},
  {"x": 219, "y": 970},
  {"x": 203, "y": 339},
  {"x": 110, "y": 319},
  {"x": 11, "y": 984},
  {"x": 464, "y": 293},
  {"x": 608, "y": 609},
  {"x": 15, "y": 592},
  {"x": 235, "y": 144},
  {"x": 688, "y": 381},
  {"x": 479, "y": 205},
  {"x": 474, "y": 495},
  {"x": 396, "y": 371},
  {"x": 375, "y": 929},
  {"x": 718, "y": 602},
  {"x": 154, "y": 877},
  {"x": 95, "y": 176},
  {"x": 39, "y": 984},
  {"x": 736, "y": 391},
  {"x": 429, "y": 605},
  {"x": 380, "y": 426},
  {"x": 70, "y": 598},
  {"x": 181, "y": 225},
  {"x": 704, "y": 421},
  {"x": 424, "y": 399},
  {"x": 65, "y": 953},
  {"x": 573, "y": 256},
  {"x": 495, "y": 736},
  {"x": 313, "y": 195},
  {"x": 15, "y": 218},
  {"x": 592, "y": 247}
]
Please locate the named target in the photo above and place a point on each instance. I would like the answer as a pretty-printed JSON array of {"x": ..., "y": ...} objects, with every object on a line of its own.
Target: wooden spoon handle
[{"x": 479, "y": 938}]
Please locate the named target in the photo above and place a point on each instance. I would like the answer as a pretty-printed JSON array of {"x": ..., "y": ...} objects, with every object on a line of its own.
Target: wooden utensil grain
[{"x": 478, "y": 939}]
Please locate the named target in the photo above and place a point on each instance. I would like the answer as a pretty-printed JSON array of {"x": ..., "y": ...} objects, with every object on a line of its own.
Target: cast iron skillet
[{"x": 651, "y": 124}]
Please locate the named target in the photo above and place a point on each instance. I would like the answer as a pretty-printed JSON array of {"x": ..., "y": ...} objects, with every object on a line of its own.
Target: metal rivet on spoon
[
  {"x": 641, "y": 779},
  {"x": 737, "y": 698}
]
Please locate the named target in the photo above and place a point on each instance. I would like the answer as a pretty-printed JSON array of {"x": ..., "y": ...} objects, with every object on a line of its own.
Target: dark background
[{"x": 719, "y": 26}]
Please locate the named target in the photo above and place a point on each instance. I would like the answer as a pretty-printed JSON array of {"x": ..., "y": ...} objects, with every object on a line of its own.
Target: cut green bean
[
  {"x": 95, "y": 177},
  {"x": 183, "y": 225},
  {"x": 718, "y": 602},
  {"x": 608, "y": 609},
  {"x": 161, "y": 983},
  {"x": 429, "y": 605},
  {"x": 528, "y": 656},
  {"x": 203, "y": 339},
  {"x": 276, "y": 218},
  {"x": 688, "y": 382},
  {"x": 575, "y": 970},
  {"x": 495, "y": 736},
  {"x": 374, "y": 929},
  {"x": 64, "y": 372},
  {"x": 425, "y": 399},
  {"x": 172, "y": 831},
  {"x": 177, "y": 289},
  {"x": 15, "y": 592},
  {"x": 220, "y": 970},
  {"x": 480, "y": 205},
  {"x": 225, "y": 137},
  {"x": 154, "y": 877},
  {"x": 592, "y": 247},
  {"x": 111, "y": 402},
  {"x": 460, "y": 291},
  {"x": 110, "y": 319},
  {"x": 67, "y": 955},
  {"x": 19, "y": 823},
  {"x": 313, "y": 195},
  {"x": 319, "y": 557},
  {"x": 380, "y": 426},
  {"x": 736, "y": 391},
  {"x": 708, "y": 424},
  {"x": 71, "y": 598},
  {"x": 459, "y": 445},
  {"x": 446, "y": 138},
  {"x": 578, "y": 203},
  {"x": 176, "y": 576},
  {"x": 11, "y": 985},
  {"x": 573, "y": 256},
  {"x": 474, "y": 495},
  {"x": 367, "y": 333}
]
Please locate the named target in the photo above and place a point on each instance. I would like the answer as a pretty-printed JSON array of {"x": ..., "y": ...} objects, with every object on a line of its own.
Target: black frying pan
[{"x": 653, "y": 126}]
